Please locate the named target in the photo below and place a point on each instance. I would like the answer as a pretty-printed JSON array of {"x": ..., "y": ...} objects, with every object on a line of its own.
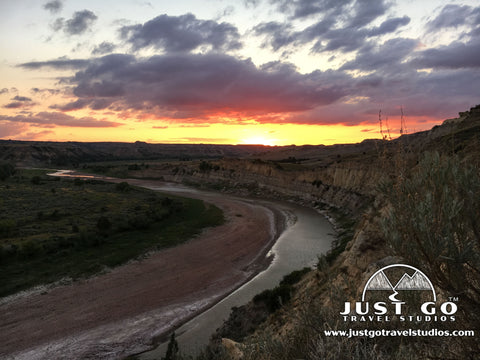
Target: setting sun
[{"x": 259, "y": 140}]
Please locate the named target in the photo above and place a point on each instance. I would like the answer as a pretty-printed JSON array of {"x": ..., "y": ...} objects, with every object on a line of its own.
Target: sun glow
[{"x": 259, "y": 140}]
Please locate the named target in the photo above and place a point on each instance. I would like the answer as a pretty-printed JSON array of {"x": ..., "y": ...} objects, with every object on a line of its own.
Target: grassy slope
[{"x": 57, "y": 228}]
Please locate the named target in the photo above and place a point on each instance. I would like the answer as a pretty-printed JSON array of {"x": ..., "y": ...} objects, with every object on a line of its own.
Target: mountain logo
[
  {"x": 416, "y": 281},
  {"x": 402, "y": 292}
]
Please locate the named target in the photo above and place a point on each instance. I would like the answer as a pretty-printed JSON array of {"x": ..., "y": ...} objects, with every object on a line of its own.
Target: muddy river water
[{"x": 307, "y": 235}]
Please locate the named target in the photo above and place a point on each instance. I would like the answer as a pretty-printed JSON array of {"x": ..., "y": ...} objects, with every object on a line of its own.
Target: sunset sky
[{"x": 275, "y": 72}]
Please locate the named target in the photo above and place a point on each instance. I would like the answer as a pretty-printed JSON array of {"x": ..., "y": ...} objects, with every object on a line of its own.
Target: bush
[
  {"x": 274, "y": 298},
  {"x": 104, "y": 224},
  {"x": 139, "y": 222},
  {"x": 7, "y": 227},
  {"x": 6, "y": 170},
  {"x": 294, "y": 277},
  {"x": 123, "y": 187},
  {"x": 433, "y": 222},
  {"x": 29, "y": 249},
  {"x": 36, "y": 180},
  {"x": 172, "y": 349},
  {"x": 205, "y": 166}
]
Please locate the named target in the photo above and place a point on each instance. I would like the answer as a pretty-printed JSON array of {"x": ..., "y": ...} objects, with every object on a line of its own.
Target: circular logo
[{"x": 396, "y": 278}]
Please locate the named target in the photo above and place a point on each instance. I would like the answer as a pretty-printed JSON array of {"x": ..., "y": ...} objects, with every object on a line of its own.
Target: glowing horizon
[{"x": 230, "y": 73}]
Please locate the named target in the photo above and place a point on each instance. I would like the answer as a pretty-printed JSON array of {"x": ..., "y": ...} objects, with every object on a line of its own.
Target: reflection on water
[
  {"x": 298, "y": 246},
  {"x": 71, "y": 174}
]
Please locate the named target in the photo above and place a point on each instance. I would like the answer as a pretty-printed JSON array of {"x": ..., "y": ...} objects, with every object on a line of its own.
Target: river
[{"x": 308, "y": 235}]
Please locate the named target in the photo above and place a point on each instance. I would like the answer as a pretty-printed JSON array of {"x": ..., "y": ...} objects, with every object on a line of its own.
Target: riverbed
[
  {"x": 120, "y": 312},
  {"x": 308, "y": 236}
]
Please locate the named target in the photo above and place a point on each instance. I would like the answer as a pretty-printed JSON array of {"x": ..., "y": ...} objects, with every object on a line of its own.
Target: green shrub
[
  {"x": 7, "y": 227},
  {"x": 205, "y": 166},
  {"x": 78, "y": 182},
  {"x": 294, "y": 277},
  {"x": 123, "y": 186},
  {"x": 29, "y": 249},
  {"x": 274, "y": 298},
  {"x": 172, "y": 349},
  {"x": 139, "y": 222},
  {"x": 36, "y": 180},
  {"x": 6, "y": 170},
  {"x": 104, "y": 224},
  {"x": 433, "y": 222}
]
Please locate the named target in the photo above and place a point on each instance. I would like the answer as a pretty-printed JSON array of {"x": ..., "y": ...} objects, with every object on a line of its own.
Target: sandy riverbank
[{"x": 118, "y": 313}]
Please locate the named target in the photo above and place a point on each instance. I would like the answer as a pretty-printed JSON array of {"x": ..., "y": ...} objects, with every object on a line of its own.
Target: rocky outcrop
[{"x": 342, "y": 186}]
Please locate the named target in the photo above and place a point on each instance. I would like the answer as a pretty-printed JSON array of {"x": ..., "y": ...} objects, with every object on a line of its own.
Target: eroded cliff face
[
  {"x": 348, "y": 186},
  {"x": 353, "y": 185}
]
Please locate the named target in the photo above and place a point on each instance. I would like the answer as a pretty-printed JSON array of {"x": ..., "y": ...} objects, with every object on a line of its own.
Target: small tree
[
  {"x": 36, "y": 180},
  {"x": 6, "y": 170},
  {"x": 172, "y": 349},
  {"x": 205, "y": 166},
  {"x": 123, "y": 187},
  {"x": 103, "y": 224}
]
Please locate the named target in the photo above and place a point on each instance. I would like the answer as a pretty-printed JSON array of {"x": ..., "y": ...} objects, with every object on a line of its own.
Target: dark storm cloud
[
  {"x": 201, "y": 85},
  {"x": 383, "y": 57},
  {"x": 59, "y": 119},
  {"x": 278, "y": 35},
  {"x": 429, "y": 95},
  {"x": 389, "y": 26},
  {"x": 304, "y": 8},
  {"x": 78, "y": 24},
  {"x": 344, "y": 40},
  {"x": 57, "y": 24},
  {"x": 204, "y": 88},
  {"x": 21, "y": 98},
  {"x": 45, "y": 91},
  {"x": 454, "y": 56},
  {"x": 104, "y": 48},
  {"x": 317, "y": 31},
  {"x": 341, "y": 26},
  {"x": 59, "y": 64},
  {"x": 182, "y": 33},
  {"x": 453, "y": 16},
  {"x": 14, "y": 105},
  {"x": 355, "y": 13},
  {"x": 94, "y": 104},
  {"x": 19, "y": 102},
  {"x": 366, "y": 11},
  {"x": 71, "y": 106},
  {"x": 54, "y": 6}
]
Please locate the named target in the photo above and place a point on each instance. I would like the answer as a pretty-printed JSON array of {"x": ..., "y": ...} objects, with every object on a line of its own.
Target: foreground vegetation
[
  {"x": 51, "y": 228},
  {"x": 430, "y": 220}
]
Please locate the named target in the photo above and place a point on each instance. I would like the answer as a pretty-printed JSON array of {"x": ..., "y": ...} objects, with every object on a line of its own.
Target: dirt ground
[{"x": 117, "y": 313}]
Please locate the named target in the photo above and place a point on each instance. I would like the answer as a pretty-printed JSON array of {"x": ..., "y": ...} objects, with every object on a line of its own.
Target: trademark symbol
[{"x": 453, "y": 298}]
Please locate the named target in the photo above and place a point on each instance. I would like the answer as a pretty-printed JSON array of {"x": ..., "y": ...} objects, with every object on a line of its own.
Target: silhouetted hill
[{"x": 39, "y": 153}]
